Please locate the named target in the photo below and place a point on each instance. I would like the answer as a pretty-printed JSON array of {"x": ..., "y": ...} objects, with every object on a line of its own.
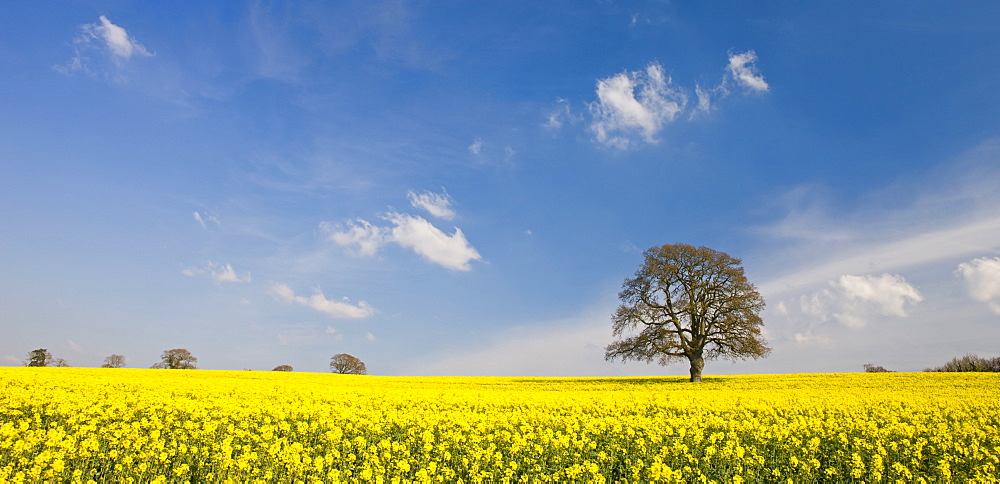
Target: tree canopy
[
  {"x": 114, "y": 361},
  {"x": 40, "y": 357},
  {"x": 177, "y": 359},
  {"x": 283, "y": 368},
  {"x": 347, "y": 364},
  {"x": 691, "y": 303}
]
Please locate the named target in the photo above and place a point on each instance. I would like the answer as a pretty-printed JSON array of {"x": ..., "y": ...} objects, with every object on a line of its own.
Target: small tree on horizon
[
  {"x": 40, "y": 357},
  {"x": 872, "y": 368},
  {"x": 691, "y": 303},
  {"x": 283, "y": 368},
  {"x": 347, "y": 364},
  {"x": 114, "y": 361},
  {"x": 177, "y": 359}
]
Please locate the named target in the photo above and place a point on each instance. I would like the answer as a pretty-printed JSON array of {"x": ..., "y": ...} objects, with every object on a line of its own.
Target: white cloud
[
  {"x": 227, "y": 274},
  {"x": 115, "y": 39},
  {"x": 635, "y": 102},
  {"x": 638, "y": 104},
  {"x": 889, "y": 294},
  {"x": 318, "y": 302},
  {"x": 369, "y": 337},
  {"x": 982, "y": 279},
  {"x": 218, "y": 273},
  {"x": 450, "y": 251},
  {"x": 437, "y": 204},
  {"x": 366, "y": 238},
  {"x": 743, "y": 69},
  {"x": 852, "y": 300},
  {"x": 108, "y": 38},
  {"x": 476, "y": 147},
  {"x": 10, "y": 359}
]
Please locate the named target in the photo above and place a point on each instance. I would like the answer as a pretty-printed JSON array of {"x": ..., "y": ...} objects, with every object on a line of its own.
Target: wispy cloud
[
  {"x": 436, "y": 204},
  {"x": 73, "y": 345},
  {"x": 569, "y": 347},
  {"x": 476, "y": 148},
  {"x": 10, "y": 359},
  {"x": 704, "y": 96},
  {"x": 318, "y": 302},
  {"x": 337, "y": 335},
  {"x": 107, "y": 40},
  {"x": 947, "y": 218},
  {"x": 561, "y": 115},
  {"x": 276, "y": 56},
  {"x": 205, "y": 219},
  {"x": 741, "y": 73},
  {"x": 219, "y": 273},
  {"x": 982, "y": 279}
]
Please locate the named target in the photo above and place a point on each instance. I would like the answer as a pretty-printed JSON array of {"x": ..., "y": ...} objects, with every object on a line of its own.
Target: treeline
[
  {"x": 968, "y": 362},
  {"x": 182, "y": 359}
]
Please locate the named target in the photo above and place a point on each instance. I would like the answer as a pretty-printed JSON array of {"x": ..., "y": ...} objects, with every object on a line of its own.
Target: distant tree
[
  {"x": 114, "y": 361},
  {"x": 691, "y": 303},
  {"x": 870, "y": 368},
  {"x": 40, "y": 357},
  {"x": 970, "y": 362},
  {"x": 283, "y": 368},
  {"x": 347, "y": 364},
  {"x": 61, "y": 363},
  {"x": 177, "y": 359}
]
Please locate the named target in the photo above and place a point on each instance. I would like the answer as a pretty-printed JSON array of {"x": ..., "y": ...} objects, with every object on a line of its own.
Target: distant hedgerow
[{"x": 970, "y": 362}]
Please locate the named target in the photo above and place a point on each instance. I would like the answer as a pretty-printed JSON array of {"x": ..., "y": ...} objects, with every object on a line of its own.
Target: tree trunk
[{"x": 697, "y": 363}]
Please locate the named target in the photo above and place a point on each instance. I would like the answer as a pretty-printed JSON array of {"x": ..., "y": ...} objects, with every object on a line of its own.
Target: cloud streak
[
  {"x": 342, "y": 309},
  {"x": 218, "y": 273},
  {"x": 203, "y": 220}
]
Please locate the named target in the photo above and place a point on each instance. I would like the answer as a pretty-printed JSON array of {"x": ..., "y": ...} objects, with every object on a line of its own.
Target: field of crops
[{"x": 125, "y": 425}]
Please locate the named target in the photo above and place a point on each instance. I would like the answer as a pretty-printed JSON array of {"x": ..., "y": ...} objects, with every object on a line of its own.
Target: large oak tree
[
  {"x": 691, "y": 303},
  {"x": 177, "y": 359},
  {"x": 347, "y": 364}
]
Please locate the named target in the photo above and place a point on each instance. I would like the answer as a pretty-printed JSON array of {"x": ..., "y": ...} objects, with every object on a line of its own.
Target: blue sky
[{"x": 461, "y": 187}]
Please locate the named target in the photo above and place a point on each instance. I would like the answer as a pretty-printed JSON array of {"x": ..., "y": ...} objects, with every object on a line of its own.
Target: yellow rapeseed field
[{"x": 125, "y": 425}]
